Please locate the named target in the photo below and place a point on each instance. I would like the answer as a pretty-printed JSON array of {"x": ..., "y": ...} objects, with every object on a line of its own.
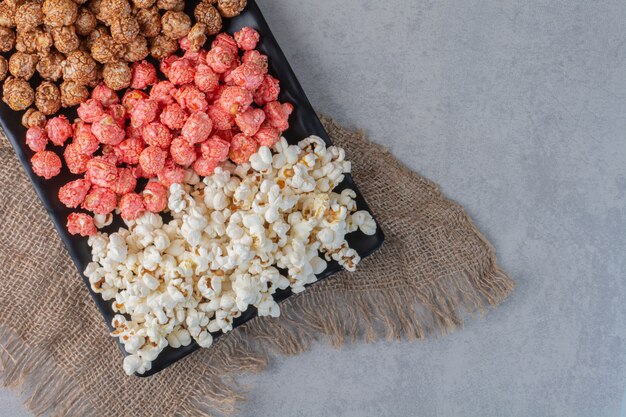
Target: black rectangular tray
[{"x": 303, "y": 122}]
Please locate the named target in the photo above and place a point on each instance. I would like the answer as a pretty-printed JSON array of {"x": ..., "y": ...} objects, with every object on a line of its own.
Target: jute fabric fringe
[{"x": 434, "y": 268}]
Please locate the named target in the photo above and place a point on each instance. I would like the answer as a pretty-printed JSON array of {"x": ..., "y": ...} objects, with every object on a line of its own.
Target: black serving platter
[{"x": 303, "y": 122}]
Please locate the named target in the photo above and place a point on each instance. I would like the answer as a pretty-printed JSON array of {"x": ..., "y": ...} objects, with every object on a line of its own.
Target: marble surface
[{"x": 518, "y": 110}]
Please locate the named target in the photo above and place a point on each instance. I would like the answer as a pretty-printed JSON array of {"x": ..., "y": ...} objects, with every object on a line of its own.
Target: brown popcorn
[
  {"x": 58, "y": 13},
  {"x": 207, "y": 14},
  {"x": 95, "y": 35},
  {"x": 114, "y": 9},
  {"x": 149, "y": 22},
  {"x": 162, "y": 47},
  {"x": 85, "y": 22},
  {"x": 80, "y": 67},
  {"x": 105, "y": 50},
  {"x": 174, "y": 5},
  {"x": 48, "y": 98},
  {"x": 22, "y": 65},
  {"x": 33, "y": 117},
  {"x": 117, "y": 75},
  {"x": 95, "y": 7},
  {"x": 7, "y": 15},
  {"x": 124, "y": 29},
  {"x": 18, "y": 94},
  {"x": 49, "y": 66},
  {"x": 197, "y": 36},
  {"x": 38, "y": 41},
  {"x": 175, "y": 25},
  {"x": 80, "y": 2},
  {"x": 7, "y": 39},
  {"x": 231, "y": 8},
  {"x": 143, "y": 4},
  {"x": 137, "y": 49},
  {"x": 72, "y": 93},
  {"x": 65, "y": 39},
  {"x": 4, "y": 68},
  {"x": 28, "y": 16}
]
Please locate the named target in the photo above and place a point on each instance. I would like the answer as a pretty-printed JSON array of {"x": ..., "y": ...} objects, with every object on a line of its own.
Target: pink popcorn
[
  {"x": 241, "y": 148},
  {"x": 250, "y": 121},
  {"x": 277, "y": 114},
  {"x": 247, "y": 75},
  {"x": 206, "y": 79},
  {"x": 173, "y": 116},
  {"x": 220, "y": 59},
  {"x": 143, "y": 75},
  {"x": 74, "y": 192},
  {"x": 171, "y": 174},
  {"x": 222, "y": 120},
  {"x": 162, "y": 92},
  {"x": 87, "y": 143},
  {"x": 157, "y": 134},
  {"x": 183, "y": 151},
  {"x": 100, "y": 200},
  {"x": 226, "y": 135},
  {"x": 108, "y": 131},
  {"x": 101, "y": 171},
  {"x": 143, "y": 112},
  {"x": 105, "y": 95},
  {"x": 90, "y": 111},
  {"x": 118, "y": 112},
  {"x": 257, "y": 59},
  {"x": 166, "y": 64},
  {"x": 59, "y": 130},
  {"x": 155, "y": 197},
  {"x": 152, "y": 160},
  {"x": 205, "y": 166},
  {"x": 126, "y": 181},
  {"x": 181, "y": 72},
  {"x": 224, "y": 40},
  {"x": 195, "y": 57},
  {"x": 191, "y": 99},
  {"x": 235, "y": 99},
  {"x": 197, "y": 128},
  {"x": 268, "y": 90},
  {"x": 81, "y": 224},
  {"x": 215, "y": 148},
  {"x": 36, "y": 138},
  {"x": 132, "y": 206},
  {"x": 267, "y": 136},
  {"x": 247, "y": 38},
  {"x": 128, "y": 150},
  {"x": 75, "y": 160},
  {"x": 131, "y": 97},
  {"x": 46, "y": 164}
]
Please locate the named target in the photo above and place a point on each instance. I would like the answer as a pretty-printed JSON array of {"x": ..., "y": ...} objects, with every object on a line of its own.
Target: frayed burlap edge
[{"x": 412, "y": 312}]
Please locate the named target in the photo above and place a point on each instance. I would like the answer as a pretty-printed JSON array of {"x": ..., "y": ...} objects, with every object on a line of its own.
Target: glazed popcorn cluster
[
  {"x": 236, "y": 237},
  {"x": 214, "y": 105}
]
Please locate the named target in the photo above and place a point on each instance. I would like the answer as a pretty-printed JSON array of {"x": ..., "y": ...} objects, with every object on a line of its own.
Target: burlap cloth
[{"x": 434, "y": 267}]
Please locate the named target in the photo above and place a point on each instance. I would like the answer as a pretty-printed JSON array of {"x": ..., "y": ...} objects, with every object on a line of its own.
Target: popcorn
[{"x": 230, "y": 236}]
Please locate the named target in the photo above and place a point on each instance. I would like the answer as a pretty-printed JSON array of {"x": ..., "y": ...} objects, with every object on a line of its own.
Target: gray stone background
[{"x": 517, "y": 108}]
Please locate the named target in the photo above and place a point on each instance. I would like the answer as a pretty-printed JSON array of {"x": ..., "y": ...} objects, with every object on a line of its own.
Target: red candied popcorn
[
  {"x": 220, "y": 59},
  {"x": 128, "y": 150},
  {"x": 157, "y": 134},
  {"x": 75, "y": 160},
  {"x": 247, "y": 38},
  {"x": 133, "y": 132},
  {"x": 226, "y": 135},
  {"x": 224, "y": 40},
  {"x": 131, "y": 97},
  {"x": 268, "y": 90},
  {"x": 277, "y": 114},
  {"x": 102, "y": 171},
  {"x": 205, "y": 166},
  {"x": 234, "y": 99},
  {"x": 183, "y": 151},
  {"x": 181, "y": 71},
  {"x": 108, "y": 131},
  {"x": 196, "y": 57},
  {"x": 143, "y": 75},
  {"x": 81, "y": 224},
  {"x": 132, "y": 206},
  {"x": 105, "y": 95},
  {"x": 118, "y": 112},
  {"x": 36, "y": 138},
  {"x": 206, "y": 79},
  {"x": 126, "y": 181},
  {"x": 241, "y": 148},
  {"x": 59, "y": 130},
  {"x": 222, "y": 120},
  {"x": 189, "y": 97},
  {"x": 215, "y": 148},
  {"x": 162, "y": 92},
  {"x": 152, "y": 160},
  {"x": 90, "y": 111},
  {"x": 46, "y": 164},
  {"x": 173, "y": 116},
  {"x": 166, "y": 64},
  {"x": 87, "y": 143},
  {"x": 257, "y": 59},
  {"x": 197, "y": 128},
  {"x": 246, "y": 75},
  {"x": 267, "y": 136},
  {"x": 74, "y": 192},
  {"x": 171, "y": 174},
  {"x": 143, "y": 112},
  {"x": 100, "y": 200},
  {"x": 250, "y": 121},
  {"x": 155, "y": 197}
]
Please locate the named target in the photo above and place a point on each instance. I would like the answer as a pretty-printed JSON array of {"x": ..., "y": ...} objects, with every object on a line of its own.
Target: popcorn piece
[
  {"x": 152, "y": 159},
  {"x": 36, "y": 138},
  {"x": 81, "y": 224},
  {"x": 59, "y": 130},
  {"x": 144, "y": 75},
  {"x": 241, "y": 148},
  {"x": 247, "y": 38},
  {"x": 250, "y": 121},
  {"x": 155, "y": 197},
  {"x": 277, "y": 115},
  {"x": 131, "y": 206},
  {"x": 73, "y": 193},
  {"x": 108, "y": 131},
  {"x": 101, "y": 172},
  {"x": 143, "y": 112},
  {"x": 100, "y": 200},
  {"x": 173, "y": 116},
  {"x": 183, "y": 151},
  {"x": 46, "y": 164},
  {"x": 156, "y": 134},
  {"x": 75, "y": 160},
  {"x": 197, "y": 128},
  {"x": 90, "y": 111}
]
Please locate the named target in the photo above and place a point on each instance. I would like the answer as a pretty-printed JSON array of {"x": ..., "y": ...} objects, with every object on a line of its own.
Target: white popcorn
[
  {"x": 189, "y": 279},
  {"x": 102, "y": 220}
]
